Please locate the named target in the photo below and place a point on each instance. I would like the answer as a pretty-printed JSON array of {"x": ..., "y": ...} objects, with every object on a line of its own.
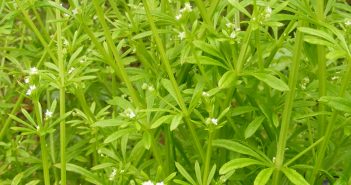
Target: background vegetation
[{"x": 175, "y": 92}]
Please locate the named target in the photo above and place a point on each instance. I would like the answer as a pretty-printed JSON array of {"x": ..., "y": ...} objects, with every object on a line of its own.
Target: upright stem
[
  {"x": 43, "y": 145},
  {"x": 61, "y": 66},
  {"x": 169, "y": 71},
  {"x": 120, "y": 66},
  {"x": 283, "y": 135},
  {"x": 321, "y": 68},
  {"x": 330, "y": 127},
  {"x": 208, "y": 157},
  {"x": 204, "y": 13}
]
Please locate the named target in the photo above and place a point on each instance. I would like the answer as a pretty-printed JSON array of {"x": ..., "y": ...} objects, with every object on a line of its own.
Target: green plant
[{"x": 175, "y": 92}]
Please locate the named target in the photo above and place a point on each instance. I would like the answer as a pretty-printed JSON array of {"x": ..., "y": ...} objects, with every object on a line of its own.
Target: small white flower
[
  {"x": 48, "y": 114},
  {"x": 38, "y": 127},
  {"x": 233, "y": 35},
  {"x": 95, "y": 17},
  {"x": 181, "y": 35},
  {"x": 65, "y": 42},
  {"x": 147, "y": 183},
  {"x": 205, "y": 94},
  {"x": 229, "y": 25},
  {"x": 160, "y": 183},
  {"x": 187, "y": 7},
  {"x": 348, "y": 22},
  {"x": 66, "y": 15},
  {"x": 113, "y": 174},
  {"x": 130, "y": 113},
  {"x": 75, "y": 11},
  {"x": 179, "y": 16},
  {"x": 144, "y": 86},
  {"x": 26, "y": 80},
  {"x": 71, "y": 70},
  {"x": 268, "y": 12},
  {"x": 33, "y": 71},
  {"x": 150, "y": 88},
  {"x": 214, "y": 121},
  {"x": 273, "y": 159},
  {"x": 30, "y": 90}
]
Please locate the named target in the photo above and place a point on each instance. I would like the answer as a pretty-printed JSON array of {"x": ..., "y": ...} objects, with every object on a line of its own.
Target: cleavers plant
[{"x": 155, "y": 92}]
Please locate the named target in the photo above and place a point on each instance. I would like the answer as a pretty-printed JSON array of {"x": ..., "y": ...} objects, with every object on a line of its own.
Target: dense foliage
[{"x": 160, "y": 92}]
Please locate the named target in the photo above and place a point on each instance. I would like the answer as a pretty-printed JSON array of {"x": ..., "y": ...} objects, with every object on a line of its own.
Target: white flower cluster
[
  {"x": 213, "y": 121},
  {"x": 31, "y": 89},
  {"x": 148, "y": 87},
  {"x": 151, "y": 183},
  {"x": 48, "y": 114},
  {"x": 304, "y": 83},
  {"x": 268, "y": 12},
  {"x": 348, "y": 22},
  {"x": 187, "y": 8},
  {"x": 129, "y": 113},
  {"x": 181, "y": 35},
  {"x": 113, "y": 174}
]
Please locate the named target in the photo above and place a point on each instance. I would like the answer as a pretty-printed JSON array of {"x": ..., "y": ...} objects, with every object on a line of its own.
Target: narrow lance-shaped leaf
[
  {"x": 184, "y": 173},
  {"x": 263, "y": 177},
  {"x": 294, "y": 176},
  {"x": 272, "y": 81},
  {"x": 237, "y": 163},
  {"x": 253, "y": 126},
  {"x": 338, "y": 103}
]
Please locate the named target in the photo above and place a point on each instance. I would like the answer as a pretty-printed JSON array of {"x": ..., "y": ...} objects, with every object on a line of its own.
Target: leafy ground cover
[{"x": 157, "y": 92}]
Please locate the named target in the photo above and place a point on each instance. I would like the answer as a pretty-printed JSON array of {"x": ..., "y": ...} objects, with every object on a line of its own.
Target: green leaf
[
  {"x": 204, "y": 60},
  {"x": 108, "y": 123},
  {"x": 116, "y": 135},
  {"x": 253, "y": 126},
  {"x": 294, "y": 176},
  {"x": 227, "y": 80},
  {"x": 236, "y": 147},
  {"x": 147, "y": 139},
  {"x": 33, "y": 182},
  {"x": 272, "y": 81},
  {"x": 82, "y": 171},
  {"x": 17, "y": 179},
  {"x": 239, "y": 7},
  {"x": 184, "y": 173},
  {"x": 236, "y": 164},
  {"x": 208, "y": 48},
  {"x": 198, "y": 172},
  {"x": 161, "y": 120},
  {"x": 319, "y": 33},
  {"x": 263, "y": 177},
  {"x": 102, "y": 166},
  {"x": 168, "y": 86},
  {"x": 338, "y": 103},
  {"x": 211, "y": 174},
  {"x": 176, "y": 121},
  {"x": 242, "y": 110}
]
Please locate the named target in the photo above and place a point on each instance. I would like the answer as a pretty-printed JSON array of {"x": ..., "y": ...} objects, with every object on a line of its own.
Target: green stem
[
  {"x": 62, "y": 103},
  {"x": 283, "y": 135},
  {"x": 322, "y": 72},
  {"x": 44, "y": 157},
  {"x": 208, "y": 157},
  {"x": 303, "y": 152},
  {"x": 37, "y": 33},
  {"x": 204, "y": 13},
  {"x": 43, "y": 145},
  {"x": 330, "y": 126},
  {"x": 116, "y": 56},
  {"x": 169, "y": 71}
]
